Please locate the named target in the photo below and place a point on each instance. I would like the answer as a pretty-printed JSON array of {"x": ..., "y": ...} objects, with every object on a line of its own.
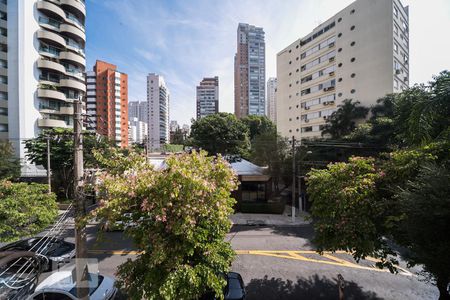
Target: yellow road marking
[{"x": 286, "y": 254}]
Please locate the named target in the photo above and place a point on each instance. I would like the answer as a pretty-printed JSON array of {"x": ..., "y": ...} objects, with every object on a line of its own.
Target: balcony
[
  {"x": 51, "y": 9},
  {"x": 51, "y": 94},
  {"x": 72, "y": 57},
  {"x": 73, "y": 84},
  {"x": 51, "y": 65},
  {"x": 73, "y": 32},
  {"x": 51, "y": 37},
  {"x": 79, "y": 6},
  {"x": 51, "y": 123},
  {"x": 66, "y": 110}
]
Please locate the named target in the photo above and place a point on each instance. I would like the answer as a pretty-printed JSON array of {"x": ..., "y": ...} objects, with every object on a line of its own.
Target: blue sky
[{"x": 187, "y": 40}]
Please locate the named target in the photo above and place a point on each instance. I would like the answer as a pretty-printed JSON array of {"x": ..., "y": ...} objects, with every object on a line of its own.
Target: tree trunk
[{"x": 442, "y": 284}]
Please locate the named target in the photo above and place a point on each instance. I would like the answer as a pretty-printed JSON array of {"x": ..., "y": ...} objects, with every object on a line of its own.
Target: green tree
[
  {"x": 178, "y": 137},
  {"x": 347, "y": 210},
  {"x": 9, "y": 165},
  {"x": 425, "y": 228},
  {"x": 220, "y": 133},
  {"x": 343, "y": 121},
  {"x": 270, "y": 149},
  {"x": 258, "y": 125},
  {"x": 25, "y": 209},
  {"x": 61, "y": 155},
  {"x": 182, "y": 216}
]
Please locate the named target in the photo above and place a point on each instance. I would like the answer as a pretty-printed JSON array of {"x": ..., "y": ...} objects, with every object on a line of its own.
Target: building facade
[
  {"x": 137, "y": 131},
  {"x": 45, "y": 58},
  {"x": 3, "y": 71},
  {"x": 138, "y": 109},
  {"x": 361, "y": 53},
  {"x": 158, "y": 112},
  {"x": 107, "y": 102},
  {"x": 249, "y": 71},
  {"x": 272, "y": 99},
  {"x": 208, "y": 97}
]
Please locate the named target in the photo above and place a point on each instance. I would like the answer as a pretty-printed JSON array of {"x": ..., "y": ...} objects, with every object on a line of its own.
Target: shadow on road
[{"x": 313, "y": 287}]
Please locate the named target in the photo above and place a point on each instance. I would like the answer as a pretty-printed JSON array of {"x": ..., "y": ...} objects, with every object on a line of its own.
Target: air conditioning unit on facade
[
  {"x": 306, "y": 107},
  {"x": 325, "y": 103},
  {"x": 331, "y": 59},
  {"x": 306, "y": 121},
  {"x": 330, "y": 45},
  {"x": 331, "y": 73}
]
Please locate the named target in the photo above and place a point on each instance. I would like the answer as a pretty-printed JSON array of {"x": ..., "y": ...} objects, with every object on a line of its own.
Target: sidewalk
[{"x": 270, "y": 219}]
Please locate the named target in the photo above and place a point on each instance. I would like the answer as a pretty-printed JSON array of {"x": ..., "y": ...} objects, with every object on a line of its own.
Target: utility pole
[
  {"x": 49, "y": 176},
  {"x": 81, "y": 267},
  {"x": 293, "y": 179}
]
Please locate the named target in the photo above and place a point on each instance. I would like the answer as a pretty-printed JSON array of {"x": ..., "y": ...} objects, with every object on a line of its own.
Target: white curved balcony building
[{"x": 46, "y": 63}]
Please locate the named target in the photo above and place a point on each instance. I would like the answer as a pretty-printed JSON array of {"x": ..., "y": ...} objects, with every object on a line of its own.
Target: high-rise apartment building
[
  {"x": 208, "y": 97},
  {"x": 272, "y": 99},
  {"x": 249, "y": 71},
  {"x": 361, "y": 53},
  {"x": 138, "y": 131},
  {"x": 3, "y": 71},
  {"x": 158, "y": 112},
  {"x": 46, "y": 63},
  {"x": 138, "y": 109},
  {"x": 107, "y": 102}
]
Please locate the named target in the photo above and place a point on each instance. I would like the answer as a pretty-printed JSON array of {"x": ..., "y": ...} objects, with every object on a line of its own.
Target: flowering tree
[{"x": 181, "y": 214}]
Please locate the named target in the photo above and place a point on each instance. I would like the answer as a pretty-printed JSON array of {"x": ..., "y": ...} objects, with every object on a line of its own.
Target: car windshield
[{"x": 94, "y": 282}]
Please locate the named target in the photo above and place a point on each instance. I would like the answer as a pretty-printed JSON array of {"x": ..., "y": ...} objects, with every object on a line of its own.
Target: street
[{"x": 280, "y": 263}]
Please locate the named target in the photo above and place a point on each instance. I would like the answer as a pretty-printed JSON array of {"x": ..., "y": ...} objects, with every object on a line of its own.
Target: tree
[
  {"x": 426, "y": 204},
  {"x": 343, "y": 121},
  {"x": 270, "y": 149},
  {"x": 182, "y": 216},
  {"x": 61, "y": 155},
  {"x": 220, "y": 133},
  {"x": 25, "y": 209},
  {"x": 258, "y": 125},
  {"x": 346, "y": 209},
  {"x": 9, "y": 165}
]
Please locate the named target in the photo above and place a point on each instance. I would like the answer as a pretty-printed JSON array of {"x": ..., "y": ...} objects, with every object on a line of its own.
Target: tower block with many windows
[{"x": 361, "y": 53}]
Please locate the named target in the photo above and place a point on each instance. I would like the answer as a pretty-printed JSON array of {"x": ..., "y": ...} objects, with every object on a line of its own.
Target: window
[
  {"x": 353, "y": 59},
  {"x": 395, "y": 48},
  {"x": 339, "y": 35},
  {"x": 352, "y": 91},
  {"x": 396, "y": 83},
  {"x": 353, "y": 75},
  {"x": 340, "y": 65},
  {"x": 352, "y": 43},
  {"x": 352, "y": 11},
  {"x": 352, "y": 28},
  {"x": 340, "y": 95},
  {"x": 339, "y": 20},
  {"x": 396, "y": 29},
  {"x": 340, "y": 49},
  {"x": 340, "y": 79},
  {"x": 395, "y": 11}
]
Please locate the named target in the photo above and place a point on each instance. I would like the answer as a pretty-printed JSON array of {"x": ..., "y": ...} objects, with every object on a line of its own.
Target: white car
[{"x": 61, "y": 286}]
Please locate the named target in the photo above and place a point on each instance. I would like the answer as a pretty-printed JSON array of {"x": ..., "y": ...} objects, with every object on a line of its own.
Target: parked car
[
  {"x": 55, "y": 251},
  {"x": 120, "y": 225},
  {"x": 61, "y": 286},
  {"x": 234, "y": 290}
]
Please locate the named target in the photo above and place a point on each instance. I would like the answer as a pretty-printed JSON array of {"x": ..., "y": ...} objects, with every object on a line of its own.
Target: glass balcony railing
[
  {"x": 74, "y": 19},
  {"x": 49, "y": 21},
  {"x": 49, "y": 49}
]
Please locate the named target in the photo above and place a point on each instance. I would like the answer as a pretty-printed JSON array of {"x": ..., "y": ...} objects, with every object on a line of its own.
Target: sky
[{"x": 187, "y": 40}]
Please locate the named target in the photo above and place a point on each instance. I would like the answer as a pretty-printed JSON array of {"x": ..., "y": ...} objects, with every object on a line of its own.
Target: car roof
[{"x": 61, "y": 280}]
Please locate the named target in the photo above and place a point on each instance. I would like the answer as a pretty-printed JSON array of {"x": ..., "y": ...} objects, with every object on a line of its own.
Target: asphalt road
[{"x": 280, "y": 263}]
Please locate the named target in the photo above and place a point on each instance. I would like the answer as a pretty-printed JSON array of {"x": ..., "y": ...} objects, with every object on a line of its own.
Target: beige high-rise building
[
  {"x": 272, "y": 99},
  {"x": 361, "y": 53}
]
